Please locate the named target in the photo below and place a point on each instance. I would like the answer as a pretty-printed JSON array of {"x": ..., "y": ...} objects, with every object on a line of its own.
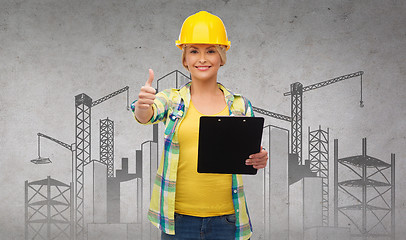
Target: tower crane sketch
[
  {"x": 84, "y": 105},
  {"x": 296, "y": 93},
  {"x": 81, "y": 151},
  {"x": 298, "y": 170}
]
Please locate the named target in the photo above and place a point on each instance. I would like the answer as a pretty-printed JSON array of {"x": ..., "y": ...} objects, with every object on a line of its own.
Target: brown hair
[{"x": 220, "y": 49}]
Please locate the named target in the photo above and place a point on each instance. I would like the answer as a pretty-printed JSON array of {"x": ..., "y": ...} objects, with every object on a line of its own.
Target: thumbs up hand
[
  {"x": 146, "y": 96},
  {"x": 143, "y": 107}
]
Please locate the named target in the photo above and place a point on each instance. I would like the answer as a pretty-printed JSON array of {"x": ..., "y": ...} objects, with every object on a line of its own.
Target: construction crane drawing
[
  {"x": 296, "y": 93},
  {"x": 84, "y": 105},
  {"x": 299, "y": 170},
  {"x": 81, "y": 151}
]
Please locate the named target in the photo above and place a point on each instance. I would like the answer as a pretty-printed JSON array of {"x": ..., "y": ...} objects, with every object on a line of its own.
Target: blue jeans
[{"x": 203, "y": 228}]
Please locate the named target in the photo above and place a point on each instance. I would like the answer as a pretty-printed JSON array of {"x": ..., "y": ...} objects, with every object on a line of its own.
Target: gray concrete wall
[
  {"x": 327, "y": 233},
  {"x": 51, "y": 51}
]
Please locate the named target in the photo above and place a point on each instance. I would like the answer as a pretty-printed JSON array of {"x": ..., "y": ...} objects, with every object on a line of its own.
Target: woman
[{"x": 186, "y": 204}]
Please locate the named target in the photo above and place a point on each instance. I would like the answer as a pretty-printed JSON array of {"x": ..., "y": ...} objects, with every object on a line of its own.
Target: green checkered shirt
[{"x": 170, "y": 106}]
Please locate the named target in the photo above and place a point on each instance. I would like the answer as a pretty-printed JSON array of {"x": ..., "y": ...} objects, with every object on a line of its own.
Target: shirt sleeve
[
  {"x": 248, "y": 108},
  {"x": 160, "y": 107}
]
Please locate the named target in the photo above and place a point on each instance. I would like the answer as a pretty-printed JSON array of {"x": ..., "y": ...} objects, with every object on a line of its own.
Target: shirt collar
[{"x": 185, "y": 94}]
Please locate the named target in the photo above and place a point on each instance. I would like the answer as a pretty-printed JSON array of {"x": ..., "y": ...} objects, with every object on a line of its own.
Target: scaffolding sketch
[
  {"x": 372, "y": 210},
  {"x": 48, "y": 210},
  {"x": 319, "y": 160}
]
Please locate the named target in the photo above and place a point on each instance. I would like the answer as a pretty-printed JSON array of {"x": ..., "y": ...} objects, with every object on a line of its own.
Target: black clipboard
[{"x": 225, "y": 142}]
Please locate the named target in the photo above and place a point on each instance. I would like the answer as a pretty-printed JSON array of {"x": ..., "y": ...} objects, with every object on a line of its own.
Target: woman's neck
[
  {"x": 206, "y": 88},
  {"x": 207, "y": 97}
]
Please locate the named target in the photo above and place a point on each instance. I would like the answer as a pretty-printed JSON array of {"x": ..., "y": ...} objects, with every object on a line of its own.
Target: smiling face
[{"x": 203, "y": 61}]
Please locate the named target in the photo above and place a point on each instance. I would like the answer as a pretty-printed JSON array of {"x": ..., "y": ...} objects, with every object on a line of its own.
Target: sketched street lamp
[
  {"x": 41, "y": 160},
  {"x": 45, "y": 160}
]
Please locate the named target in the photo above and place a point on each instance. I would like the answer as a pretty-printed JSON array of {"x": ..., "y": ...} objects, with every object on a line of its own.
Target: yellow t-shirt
[{"x": 199, "y": 194}]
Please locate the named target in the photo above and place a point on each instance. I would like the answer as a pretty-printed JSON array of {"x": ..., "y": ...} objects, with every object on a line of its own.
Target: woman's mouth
[{"x": 202, "y": 68}]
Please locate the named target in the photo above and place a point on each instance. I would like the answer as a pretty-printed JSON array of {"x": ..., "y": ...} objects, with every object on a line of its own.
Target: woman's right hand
[{"x": 143, "y": 107}]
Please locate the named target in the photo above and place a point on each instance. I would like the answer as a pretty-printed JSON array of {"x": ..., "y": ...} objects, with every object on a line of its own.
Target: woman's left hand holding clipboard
[{"x": 258, "y": 160}]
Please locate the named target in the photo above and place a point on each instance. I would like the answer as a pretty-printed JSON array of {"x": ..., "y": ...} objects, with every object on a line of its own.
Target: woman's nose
[{"x": 202, "y": 58}]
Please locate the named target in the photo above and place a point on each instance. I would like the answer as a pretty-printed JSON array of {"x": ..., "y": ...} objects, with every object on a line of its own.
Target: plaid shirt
[{"x": 170, "y": 106}]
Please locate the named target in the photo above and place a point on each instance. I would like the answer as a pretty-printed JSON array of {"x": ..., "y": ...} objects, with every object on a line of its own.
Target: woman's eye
[
  {"x": 211, "y": 51},
  {"x": 193, "y": 51}
]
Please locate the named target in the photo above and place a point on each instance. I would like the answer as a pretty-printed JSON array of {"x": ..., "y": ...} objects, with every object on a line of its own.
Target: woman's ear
[{"x": 185, "y": 65}]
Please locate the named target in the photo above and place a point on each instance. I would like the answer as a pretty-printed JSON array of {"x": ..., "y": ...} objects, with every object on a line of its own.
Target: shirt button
[
  {"x": 238, "y": 210},
  {"x": 235, "y": 191}
]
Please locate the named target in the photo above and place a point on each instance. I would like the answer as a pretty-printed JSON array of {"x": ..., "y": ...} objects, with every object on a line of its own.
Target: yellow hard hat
[{"x": 203, "y": 28}]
